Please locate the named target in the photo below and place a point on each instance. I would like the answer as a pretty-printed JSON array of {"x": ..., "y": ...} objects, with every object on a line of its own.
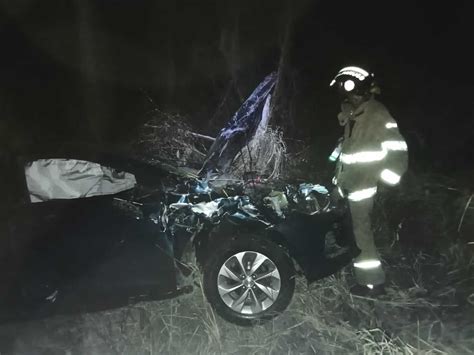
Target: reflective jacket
[{"x": 372, "y": 150}]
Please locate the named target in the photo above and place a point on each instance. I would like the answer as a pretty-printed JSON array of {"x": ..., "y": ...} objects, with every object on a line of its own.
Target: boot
[{"x": 368, "y": 290}]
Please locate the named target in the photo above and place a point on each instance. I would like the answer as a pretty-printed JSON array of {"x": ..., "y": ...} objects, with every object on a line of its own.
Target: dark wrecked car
[{"x": 103, "y": 233}]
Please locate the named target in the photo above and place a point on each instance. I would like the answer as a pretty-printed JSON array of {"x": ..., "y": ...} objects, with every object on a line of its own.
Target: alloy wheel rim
[{"x": 249, "y": 282}]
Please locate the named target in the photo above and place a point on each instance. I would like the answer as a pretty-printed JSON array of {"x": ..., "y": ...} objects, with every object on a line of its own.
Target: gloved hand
[
  {"x": 337, "y": 151},
  {"x": 345, "y": 114}
]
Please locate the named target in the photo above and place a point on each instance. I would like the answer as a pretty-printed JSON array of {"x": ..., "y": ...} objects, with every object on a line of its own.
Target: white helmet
[{"x": 354, "y": 79}]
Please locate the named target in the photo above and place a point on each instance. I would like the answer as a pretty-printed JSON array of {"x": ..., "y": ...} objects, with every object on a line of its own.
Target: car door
[
  {"x": 136, "y": 258},
  {"x": 82, "y": 255}
]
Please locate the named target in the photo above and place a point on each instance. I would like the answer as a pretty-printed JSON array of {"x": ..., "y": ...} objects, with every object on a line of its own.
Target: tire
[{"x": 250, "y": 296}]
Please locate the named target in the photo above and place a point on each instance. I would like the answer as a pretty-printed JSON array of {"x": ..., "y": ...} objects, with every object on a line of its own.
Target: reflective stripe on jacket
[{"x": 372, "y": 150}]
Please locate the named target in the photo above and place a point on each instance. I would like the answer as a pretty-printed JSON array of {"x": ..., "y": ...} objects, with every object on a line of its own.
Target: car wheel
[{"x": 247, "y": 280}]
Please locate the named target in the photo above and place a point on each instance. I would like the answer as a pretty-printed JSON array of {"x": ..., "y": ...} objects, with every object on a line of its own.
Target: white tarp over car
[{"x": 49, "y": 179}]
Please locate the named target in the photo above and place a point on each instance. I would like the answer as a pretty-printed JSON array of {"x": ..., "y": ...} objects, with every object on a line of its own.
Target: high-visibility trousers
[{"x": 367, "y": 266}]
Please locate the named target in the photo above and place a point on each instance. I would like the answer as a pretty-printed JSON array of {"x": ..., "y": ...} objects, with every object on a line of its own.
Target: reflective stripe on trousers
[
  {"x": 367, "y": 266},
  {"x": 362, "y": 194}
]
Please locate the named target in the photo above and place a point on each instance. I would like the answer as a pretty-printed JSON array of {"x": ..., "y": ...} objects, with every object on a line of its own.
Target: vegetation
[
  {"x": 427, "y": 315},
  {"x": 427, "y": 310},
  {"x": 425, "y": 233}
]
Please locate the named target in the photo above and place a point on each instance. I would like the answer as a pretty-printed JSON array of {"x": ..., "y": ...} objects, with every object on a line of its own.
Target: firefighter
[{"x": 371, "y": 152}]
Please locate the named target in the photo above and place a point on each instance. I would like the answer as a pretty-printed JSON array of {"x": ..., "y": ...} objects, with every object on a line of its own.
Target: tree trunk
[
  {"x": 285, "y": 88},
  {"x": 95, "y": 110}
]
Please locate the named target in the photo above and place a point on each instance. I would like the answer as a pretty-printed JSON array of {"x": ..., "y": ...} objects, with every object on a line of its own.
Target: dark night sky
[{"x": 75, "y": 68}]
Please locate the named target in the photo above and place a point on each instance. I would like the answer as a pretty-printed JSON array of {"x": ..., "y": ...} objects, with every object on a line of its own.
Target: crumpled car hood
[{"x": 241, "y": 128}]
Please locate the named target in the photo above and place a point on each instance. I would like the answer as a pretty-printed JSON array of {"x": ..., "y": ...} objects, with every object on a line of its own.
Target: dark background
[{"x": 78, "y": 70}]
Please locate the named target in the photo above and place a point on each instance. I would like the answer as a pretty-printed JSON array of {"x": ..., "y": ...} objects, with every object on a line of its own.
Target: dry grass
[
  {"x": 324, "y": 318},
  {"x": 265, "y": 155},
  {"x": 168, "y": 138},
  {"x": 428, "y": 309}
]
